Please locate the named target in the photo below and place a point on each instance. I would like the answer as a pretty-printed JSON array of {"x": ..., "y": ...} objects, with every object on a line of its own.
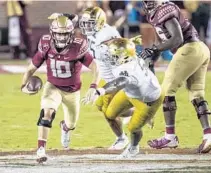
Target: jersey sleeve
[
  {"x": 84, "y": 46},
  {"x": 111, "y": 33},
  {"x": 167, "y": 12},
  {"x": 39, "y": 57},
  {"x": 87, "y": 59},
  {"x": 115, "y": 33}
]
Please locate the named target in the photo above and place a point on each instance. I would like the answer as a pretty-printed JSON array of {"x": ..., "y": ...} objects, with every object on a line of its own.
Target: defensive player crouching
[
  {"x": 139, "y": 89},
  {"x": 189, "y": 64},
  {"x": 64, "y": 55}
]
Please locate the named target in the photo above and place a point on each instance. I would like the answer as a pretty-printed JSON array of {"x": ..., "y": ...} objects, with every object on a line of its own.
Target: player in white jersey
[
  {"x": 93, "y": 25},
  {"x": 139, "y": 87}
]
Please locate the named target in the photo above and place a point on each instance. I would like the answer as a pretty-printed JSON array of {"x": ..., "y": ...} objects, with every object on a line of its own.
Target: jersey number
[{"x": 60, "y": 69}]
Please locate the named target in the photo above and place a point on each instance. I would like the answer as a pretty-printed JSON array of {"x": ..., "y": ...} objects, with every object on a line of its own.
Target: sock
[
  {"x": 41, "y": 143},
  {"x": 64, "y": 126},
  {"x": 207, "y": 131},
  {"x": 170, "y": 129}
]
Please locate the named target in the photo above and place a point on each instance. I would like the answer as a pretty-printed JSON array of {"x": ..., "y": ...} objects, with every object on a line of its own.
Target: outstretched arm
[
  {"x": 113, "y": 86},
  {"x": 95, "y": 72}
]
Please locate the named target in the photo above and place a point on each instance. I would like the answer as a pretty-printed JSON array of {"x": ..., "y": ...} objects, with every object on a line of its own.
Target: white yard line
[{"x": 103, "y": 163}]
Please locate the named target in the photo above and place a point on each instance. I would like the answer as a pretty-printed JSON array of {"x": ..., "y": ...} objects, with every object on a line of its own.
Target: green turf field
[{"x": 19, "y": 114}]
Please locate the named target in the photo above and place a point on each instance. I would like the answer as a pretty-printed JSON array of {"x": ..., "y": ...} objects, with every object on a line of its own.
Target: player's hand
[
  {"x": 25, "y": 90},
  {"x": 90, "y": 96},
  {"x": 149, "y": 53}
]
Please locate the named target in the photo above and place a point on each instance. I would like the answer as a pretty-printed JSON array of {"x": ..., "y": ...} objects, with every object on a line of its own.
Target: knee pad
[
  {"x": 169, "y": 104},
  {"x": 45, "y": 123},
  {"x": 201, "y": 107}
]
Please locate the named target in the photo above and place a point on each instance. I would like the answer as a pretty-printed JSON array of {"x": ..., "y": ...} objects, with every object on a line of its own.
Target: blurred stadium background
[{"x": 126, "y": 15}]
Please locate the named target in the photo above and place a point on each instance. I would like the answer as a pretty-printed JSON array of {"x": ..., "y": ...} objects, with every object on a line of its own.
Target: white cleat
[
  {"x": 65, "y": 137},
  {"x": 130, "y": 151},
  {"x": 120, "y": 143},
  {"x": 41, "y": 156},
  {"x": 205, "y": 146}
]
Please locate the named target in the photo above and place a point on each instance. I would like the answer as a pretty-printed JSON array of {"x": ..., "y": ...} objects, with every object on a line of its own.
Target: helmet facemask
[
  {"x": 88, "y": 26},
  {"x": 92, "y": 20},
  {"x": 62, "y": 30}
]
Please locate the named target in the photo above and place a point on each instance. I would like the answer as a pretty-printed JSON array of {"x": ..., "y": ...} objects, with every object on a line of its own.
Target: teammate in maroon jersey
[
  {"x": 64, "y": 55},
  {"x": 189, "y": 64}
]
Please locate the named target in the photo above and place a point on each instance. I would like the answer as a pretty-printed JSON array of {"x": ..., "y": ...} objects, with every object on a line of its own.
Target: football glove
[
  {"x": 90, "y": 96},
  {"x": 149, "y": 53}
]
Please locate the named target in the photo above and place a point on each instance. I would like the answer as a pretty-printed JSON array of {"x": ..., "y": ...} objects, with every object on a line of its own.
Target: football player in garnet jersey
[
  {"x": 64, "y": 55},
  {"x": 189, "y": 64}
]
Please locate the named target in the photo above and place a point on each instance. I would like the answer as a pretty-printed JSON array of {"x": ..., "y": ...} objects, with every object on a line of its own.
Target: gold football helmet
[
  {"x": 122, "y": 50},
  {"x": 61, "y": 29},
  {"x": 92, "y": 20}
]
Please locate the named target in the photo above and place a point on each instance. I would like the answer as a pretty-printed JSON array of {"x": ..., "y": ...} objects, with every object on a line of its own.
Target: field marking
[{"x": 104, "y": 163}]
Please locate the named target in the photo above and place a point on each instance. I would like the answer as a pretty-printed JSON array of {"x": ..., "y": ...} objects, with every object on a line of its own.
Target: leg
[
  {"x": 196, "y": 87},
  {"x": 50, "y": 101},
  {"x": 185, "y": 62},
  {"x": 141, "y": 115},
  {"x": 71, "y": 108},
  {"x": 102, "y": 104},
  {"x": 118, "y": 105},
  {"x": 170, "y": 140},
  {"x": 115, "y": 124}
]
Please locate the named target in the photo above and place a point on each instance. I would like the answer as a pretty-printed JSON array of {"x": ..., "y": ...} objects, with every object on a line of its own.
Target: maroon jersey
[
  {"x": 166, "y": 12},
  {"x": 63, "y": 68}
]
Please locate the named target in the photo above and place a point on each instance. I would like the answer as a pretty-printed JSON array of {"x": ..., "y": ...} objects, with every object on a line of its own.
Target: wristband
[
  {"x": 93, "y": 85},
  {"x": 100, "y": 91}
]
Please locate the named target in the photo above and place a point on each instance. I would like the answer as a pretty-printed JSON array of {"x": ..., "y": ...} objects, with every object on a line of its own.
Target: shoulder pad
[
  {"x": 82, "y": 45},
  {"x": 167, "y": 12},
  {"x": 108, "y": 33},
  {"x": 44, "y": 43}
]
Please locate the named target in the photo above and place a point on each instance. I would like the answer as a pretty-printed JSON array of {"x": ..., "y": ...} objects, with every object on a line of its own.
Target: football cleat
[
  {"x": 130, "y": 151},
  {"x": 164, "y": 142},
  {"x": 120, "y": 143},
  {"x": 41, "y": 156},
  {"x": 205, "y": 146},
  {"x": 65, "y": 136}
]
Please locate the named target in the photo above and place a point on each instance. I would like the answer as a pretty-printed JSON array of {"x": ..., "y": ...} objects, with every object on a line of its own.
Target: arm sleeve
[
  {"x": 87, "y": 59},
  {"x": 39, "y": 57},
  {"x": 116, "y": 85}
]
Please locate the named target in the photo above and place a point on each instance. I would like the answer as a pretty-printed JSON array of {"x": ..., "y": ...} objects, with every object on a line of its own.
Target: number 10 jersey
[{"x": 63, "y": 68}]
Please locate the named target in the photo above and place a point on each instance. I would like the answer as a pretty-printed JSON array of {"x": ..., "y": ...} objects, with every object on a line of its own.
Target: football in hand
[{"x": 34, "y": 84}]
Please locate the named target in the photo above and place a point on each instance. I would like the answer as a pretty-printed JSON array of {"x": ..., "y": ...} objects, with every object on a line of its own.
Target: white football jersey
[
  {"x": 100, "y": 50},
  {"x": 143, "y": 84}
]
